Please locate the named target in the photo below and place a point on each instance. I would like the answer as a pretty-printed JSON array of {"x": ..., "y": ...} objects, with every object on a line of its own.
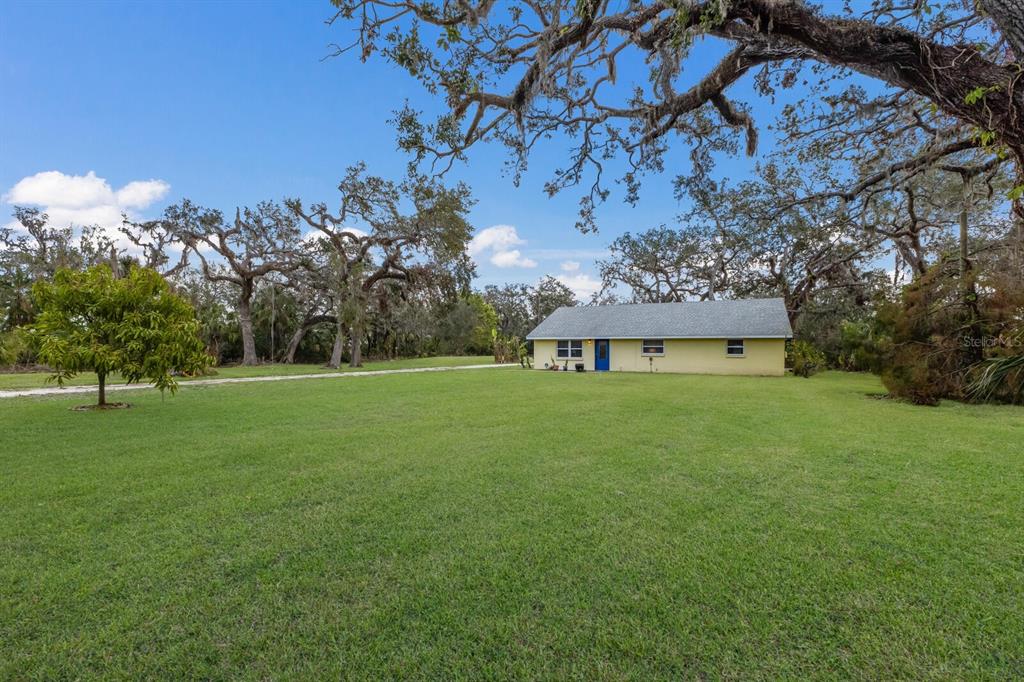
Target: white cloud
[
  {"x": 107, "y": 216},
  {"x": 142, "y": 193},
  {"x": 53, "y": 188},
  {"x": 512, "y": 259},
  {"x": 499, "y": 241},
  {"x": 570, "y": 266},
  {"x": 496, "y": 237},
  {"x": 84, "y": 200},
  {"x": 582, "y": 284}
]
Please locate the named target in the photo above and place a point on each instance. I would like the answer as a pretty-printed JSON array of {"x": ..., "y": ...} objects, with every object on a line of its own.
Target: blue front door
[{"x": 602, "y": 353}]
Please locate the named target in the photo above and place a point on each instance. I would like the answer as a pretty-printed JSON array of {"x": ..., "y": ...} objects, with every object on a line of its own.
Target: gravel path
[{"x": 68, "y": 390}]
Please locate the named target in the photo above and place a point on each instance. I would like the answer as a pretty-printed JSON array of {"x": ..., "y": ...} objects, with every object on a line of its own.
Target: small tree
[
  {"x": 806, "y": 359},
  {"x": 509, "y": 348},
  {"x": 487, "y": 324},
  {"x": 134, "y": 325},
  {"x": 12, "y": 347}
]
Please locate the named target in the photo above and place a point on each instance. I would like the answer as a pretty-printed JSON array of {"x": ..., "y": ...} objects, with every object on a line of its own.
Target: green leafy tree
[
  {"x": 408, "y": 231},
  {"x": 806, "y": 359},
  {"x": 548, "y": 296},
  {"x": 865, "y": 345},
  {"x": 486, "y": 324},
  {"x": 93, "y": 321},
  {"x": 461, "y": 328},
  {"x": 12, "y": 347},
  {"x": 511, "y": 302}
]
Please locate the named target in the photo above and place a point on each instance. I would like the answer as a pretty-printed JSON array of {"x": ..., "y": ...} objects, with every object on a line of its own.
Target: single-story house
[{"x": 696, "y": 337}]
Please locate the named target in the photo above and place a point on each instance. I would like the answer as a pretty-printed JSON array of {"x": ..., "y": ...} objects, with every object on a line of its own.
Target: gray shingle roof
[{"x": 750, "y": 318}]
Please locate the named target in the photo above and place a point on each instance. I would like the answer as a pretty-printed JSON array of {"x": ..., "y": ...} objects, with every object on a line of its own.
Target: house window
[
  {"x": 734, "y": 348},
  {"x": 653, "y": 347},
  {"x": 568, "y": 350}
]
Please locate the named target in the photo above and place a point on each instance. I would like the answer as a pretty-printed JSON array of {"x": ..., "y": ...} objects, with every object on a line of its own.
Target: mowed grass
[
  {"x": 513, "y": 524},
  {"x": 19, "y": 380}
]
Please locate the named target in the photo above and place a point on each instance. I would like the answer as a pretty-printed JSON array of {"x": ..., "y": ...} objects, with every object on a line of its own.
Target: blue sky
[{"x": 230, "y": 103}]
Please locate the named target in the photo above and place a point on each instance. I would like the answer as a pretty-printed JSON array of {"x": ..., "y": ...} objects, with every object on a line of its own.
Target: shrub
[
  {"x": 13, "y": 348},
  {"x": 929, "y": 359},
  {"x": 913, "y": 375},
  {"x": 510, "y": 349},
  {"x": 864, "y": 346},
  {"x": 805, "y": 359}
]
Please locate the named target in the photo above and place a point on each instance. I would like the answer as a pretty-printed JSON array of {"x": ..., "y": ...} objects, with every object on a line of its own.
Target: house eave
[{"x": 658, "y": 336}]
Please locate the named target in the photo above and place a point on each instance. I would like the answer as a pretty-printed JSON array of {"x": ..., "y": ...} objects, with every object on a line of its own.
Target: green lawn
[
  {"x": 513, "y": 524},
  {"x": 19, "y": 380}
]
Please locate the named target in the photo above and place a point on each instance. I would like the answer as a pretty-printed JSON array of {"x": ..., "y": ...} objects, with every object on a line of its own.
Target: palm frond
[{"x": 1000, "y": 376}]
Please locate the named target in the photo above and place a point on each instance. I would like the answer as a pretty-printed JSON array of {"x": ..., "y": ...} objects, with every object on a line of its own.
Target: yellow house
[{"x": 694, "y": 337}]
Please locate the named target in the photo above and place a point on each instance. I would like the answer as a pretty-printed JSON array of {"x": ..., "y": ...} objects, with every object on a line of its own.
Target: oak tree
[
  {"x": 524, "y": 72},
  {"x": 259, "y": 241},
  {"x": 405, "y": 230}
]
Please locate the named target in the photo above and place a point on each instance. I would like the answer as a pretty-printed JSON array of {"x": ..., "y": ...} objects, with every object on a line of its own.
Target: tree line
[{"x": 286, "y": 282}]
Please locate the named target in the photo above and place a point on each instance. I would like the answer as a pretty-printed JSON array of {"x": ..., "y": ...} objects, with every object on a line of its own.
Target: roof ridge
[{"x": 717, "y": 300}]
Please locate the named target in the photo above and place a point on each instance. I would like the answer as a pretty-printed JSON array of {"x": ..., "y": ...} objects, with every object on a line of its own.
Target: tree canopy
[
  {"x": 258, "y": 242},
  {"x": 133, "y": 325},
  {"x": 413, "y": 229},
  {"x": 518, "y": 73}
]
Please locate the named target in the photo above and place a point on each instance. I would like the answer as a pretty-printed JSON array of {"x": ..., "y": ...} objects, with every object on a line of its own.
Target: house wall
[
  {"x": 544, "y": 351},
  {"x": 763, "y": 357}
]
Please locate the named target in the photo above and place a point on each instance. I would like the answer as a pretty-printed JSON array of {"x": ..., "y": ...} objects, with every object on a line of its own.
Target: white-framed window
[
  {"x": 569, "y": 350},
  {"x": 652, "y": 347},
  {"x": 734, "y": 348}
]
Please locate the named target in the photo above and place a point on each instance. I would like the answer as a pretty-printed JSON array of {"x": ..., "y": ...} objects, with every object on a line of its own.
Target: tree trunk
[
  {"x": 293, "y": 345},
  {"x": 301, "y": 332},
  {"x": 1009, "y": 17},
  {"x": 357, "y": 347},
  {"x": 1017, "y": 218},
  {"x": 944, "y": 74},
  {"x": 103, "y": 389},
  {"x": 245, "y": 320},
  {"x": 339, "y": 344},
  {"x": 964, "y": 263},
  {"x": 273, "y": 319},
  {"x": 969, "y": 292}
]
